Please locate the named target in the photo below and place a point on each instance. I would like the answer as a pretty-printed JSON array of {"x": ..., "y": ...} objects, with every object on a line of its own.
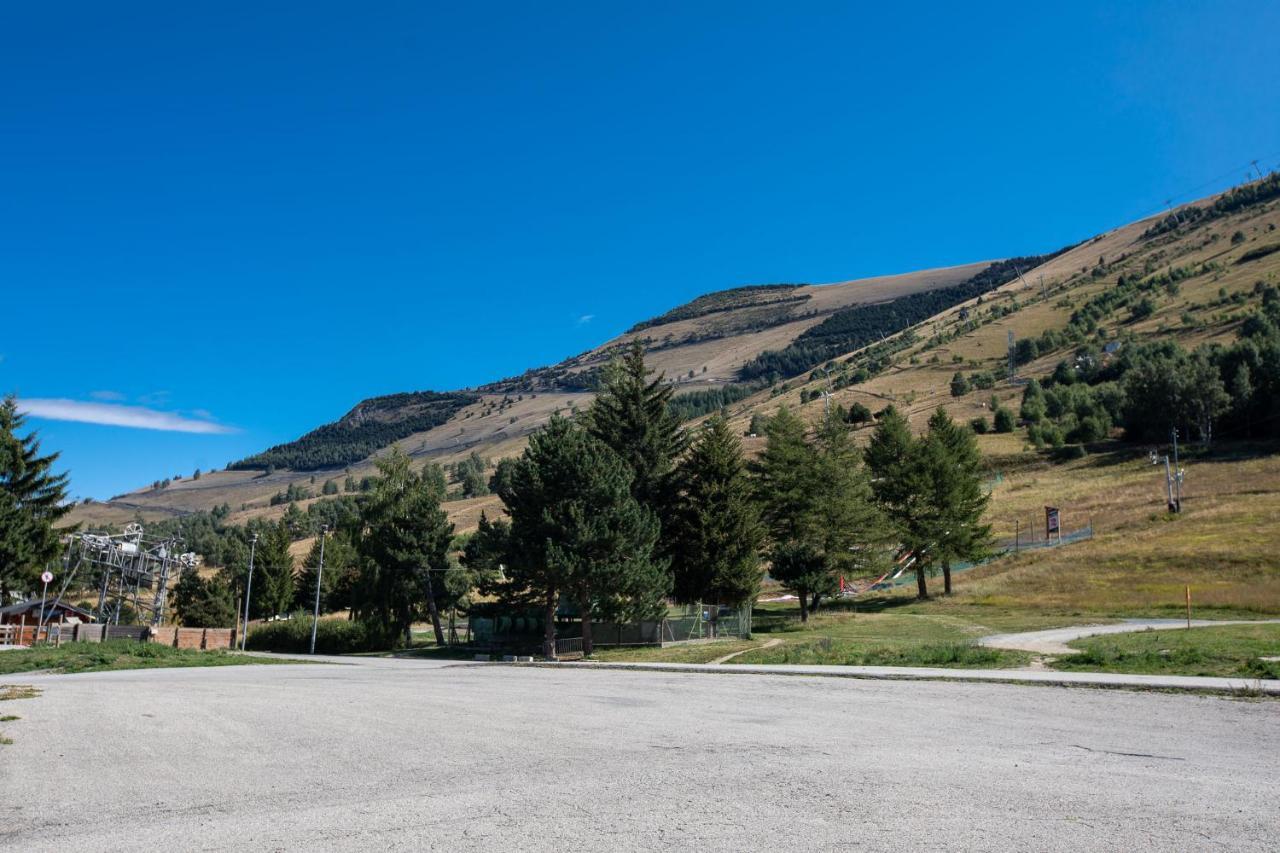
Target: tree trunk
[
  {"x": 922, "y": 586},
  {"x": 586, "y": 629},
  {"x": 817, "y": 597},
  {"x": 804, "y": 606},
  {"x": 946, "y": 578},
  {"x": 435, "y": 613},
  {"x": 549, "y": 629}
]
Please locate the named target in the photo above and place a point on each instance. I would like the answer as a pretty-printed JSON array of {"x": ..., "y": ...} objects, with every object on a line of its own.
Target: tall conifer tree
[
  {"x": 32, "y": 500},
  {"x": 405, "y": 542},
  {"x": 955, "y": 499},
  {"x": 716, "y": 532},
  {"x": 631, "y": 417}
]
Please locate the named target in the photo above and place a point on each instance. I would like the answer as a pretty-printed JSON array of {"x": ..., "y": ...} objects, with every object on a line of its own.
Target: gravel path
[{"x": 1054, "y": 641}]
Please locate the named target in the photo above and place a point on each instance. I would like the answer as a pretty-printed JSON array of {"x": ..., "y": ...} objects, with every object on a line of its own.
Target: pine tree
[
  {"x": 405, "y": 543},
  {"x": 845, "y": 521},
  {"x": 801, "y": 568},
  {"x": 784, "y": 477},
  {"x": 273, "y": 571},
  {"x": 955, "y": 500},
  {"x": 488, "y": 551},
  {"x": 341, "y": 565},
  {"x": 32, "y": 501},
  {"x": 817, "y": 496},
  {"x": 893, "y": 457},
  {"x": 716, "y": 532},
  {"x": 630, "y": 415},
  {"x": 203, "y": 604},
  {"x": 577, "y": 530}
]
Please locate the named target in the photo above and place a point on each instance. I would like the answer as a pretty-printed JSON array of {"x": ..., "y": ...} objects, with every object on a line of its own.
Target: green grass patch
[
  {"x": 827, "y": 651},
  {"x": 9, "y": 718},
  {"x": 113, "y": 654},
  {"x": 692, "y": 653},
  {"x": 1228, "y": 650}
]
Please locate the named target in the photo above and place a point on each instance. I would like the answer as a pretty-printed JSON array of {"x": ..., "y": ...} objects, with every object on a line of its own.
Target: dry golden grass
[{"x": 1224, "y": 544}]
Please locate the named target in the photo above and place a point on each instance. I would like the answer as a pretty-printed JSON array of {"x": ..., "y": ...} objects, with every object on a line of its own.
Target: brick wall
[
  {"x": 165, "y": 635},
  {"x": 190, "y": 638},
  {"x": 217, "y": 638}
]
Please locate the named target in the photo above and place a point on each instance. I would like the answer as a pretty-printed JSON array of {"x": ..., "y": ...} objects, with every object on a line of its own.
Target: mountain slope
[{"x": 707, "y": 343}]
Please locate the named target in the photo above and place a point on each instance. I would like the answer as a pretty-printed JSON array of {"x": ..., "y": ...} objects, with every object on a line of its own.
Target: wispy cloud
[
  {"x": 136, "y": 417},
  {"x": 585, "y": 319},
  {"x": 109, "y": 396}
]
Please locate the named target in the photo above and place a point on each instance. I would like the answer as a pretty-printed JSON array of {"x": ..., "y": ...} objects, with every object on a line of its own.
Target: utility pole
[
  {"x": 315, "y": 619},
  {"x": 248, "y": 589},
  {"x": 1156, "y": 459},
  {"x": 1177, "y": 471},
  {"x": 1256, "y": 169}
]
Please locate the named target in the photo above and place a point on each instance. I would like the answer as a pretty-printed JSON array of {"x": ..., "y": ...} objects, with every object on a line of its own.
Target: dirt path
[
  {"x": 767, "y": 645},
  {"x": 1054, "y": 641}
]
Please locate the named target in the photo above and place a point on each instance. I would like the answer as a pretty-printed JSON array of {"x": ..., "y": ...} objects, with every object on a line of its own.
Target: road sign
[{"x": 47, "y": 577}]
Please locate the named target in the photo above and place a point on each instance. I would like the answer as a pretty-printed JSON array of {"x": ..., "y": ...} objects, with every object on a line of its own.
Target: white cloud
[
  {"x": 586, "y": 318},
  {"x": 109, "y": 396},
  {"x": 136, "y": 417}
]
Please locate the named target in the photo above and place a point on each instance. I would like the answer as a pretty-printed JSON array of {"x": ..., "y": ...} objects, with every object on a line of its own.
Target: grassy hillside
[{"x": 1224, "y": 543}]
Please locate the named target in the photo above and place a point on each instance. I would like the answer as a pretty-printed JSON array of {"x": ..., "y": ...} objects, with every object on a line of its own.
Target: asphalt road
[{"x": 407, "y": 755}]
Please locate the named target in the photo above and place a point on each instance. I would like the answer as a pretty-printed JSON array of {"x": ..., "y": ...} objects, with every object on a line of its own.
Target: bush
[
  {"x": 857, "y": 414},
  {"x": 979, "y": 425},
  {"x": 1004, "y": 420},
  {"x": 1068, "y": 452},
  {"x": 333, "y": 636}
]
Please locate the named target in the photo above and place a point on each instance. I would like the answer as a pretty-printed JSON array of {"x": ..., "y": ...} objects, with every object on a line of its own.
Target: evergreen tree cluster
[
  {"x": 930, "y": 489},
  {"x": 1148, "y": 389},
  {"x": 470, "y": 475},
  {"x": 695, "y": 404}
]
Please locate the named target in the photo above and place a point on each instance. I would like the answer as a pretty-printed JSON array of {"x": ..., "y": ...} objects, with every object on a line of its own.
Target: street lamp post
[
  {"x": 315, "y": 618},
  {"x": 248, "y": 589}
]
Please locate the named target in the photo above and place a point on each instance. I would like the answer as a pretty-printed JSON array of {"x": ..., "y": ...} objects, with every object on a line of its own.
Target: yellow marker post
[{"x": 1188, "y": 606}]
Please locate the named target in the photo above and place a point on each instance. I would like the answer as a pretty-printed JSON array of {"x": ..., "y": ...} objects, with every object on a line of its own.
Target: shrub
[
  {"x": 979, "y": 425},
  {"x": 857, "y": 414},
  {"x": 1068, "y": 452},
  {"x": 1004, "y": 420},
  {"x": 333, "y": 636}
]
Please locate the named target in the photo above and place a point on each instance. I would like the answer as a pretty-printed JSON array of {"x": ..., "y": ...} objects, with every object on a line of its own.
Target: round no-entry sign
[{"x": 47, "y": 577}]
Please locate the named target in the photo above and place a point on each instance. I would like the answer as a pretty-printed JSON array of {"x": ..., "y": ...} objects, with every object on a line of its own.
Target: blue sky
[{"x": 237, "y": 222}]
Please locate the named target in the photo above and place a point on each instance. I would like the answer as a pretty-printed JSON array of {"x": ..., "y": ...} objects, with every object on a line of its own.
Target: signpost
[
  {"x": 1052, "y": 523},
  {"x": 45, "y": 578}
]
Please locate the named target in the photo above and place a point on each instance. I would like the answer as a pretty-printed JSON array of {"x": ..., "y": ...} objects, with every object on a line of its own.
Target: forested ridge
[
  {"x": 726, "y": 300},
  {"x": 370, "y": 426},
  {"x": 855, "y": 327}
]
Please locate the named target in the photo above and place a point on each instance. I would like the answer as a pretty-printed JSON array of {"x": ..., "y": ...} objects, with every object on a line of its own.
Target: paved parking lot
[{"x": 409, "y": 755}]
